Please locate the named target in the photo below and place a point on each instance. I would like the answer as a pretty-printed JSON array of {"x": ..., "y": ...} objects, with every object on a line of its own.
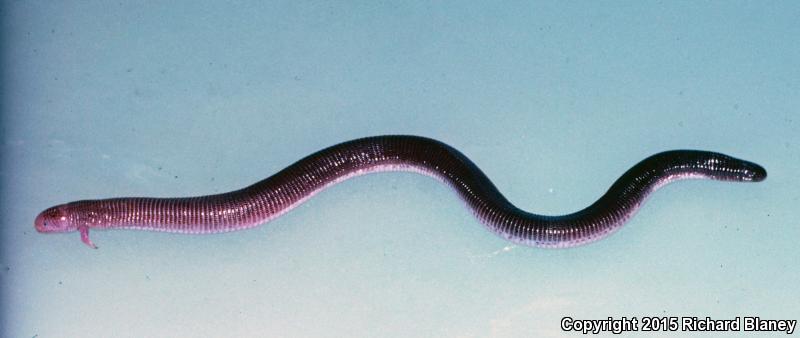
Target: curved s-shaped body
[{"x": 277, "y": 194}]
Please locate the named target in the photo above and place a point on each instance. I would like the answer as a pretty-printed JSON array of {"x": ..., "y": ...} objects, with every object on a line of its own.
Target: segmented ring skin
[{"x": 277, "y": 194}]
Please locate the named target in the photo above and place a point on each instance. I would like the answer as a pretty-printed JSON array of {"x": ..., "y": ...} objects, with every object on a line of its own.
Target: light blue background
[{"x": 552, "y": 100}]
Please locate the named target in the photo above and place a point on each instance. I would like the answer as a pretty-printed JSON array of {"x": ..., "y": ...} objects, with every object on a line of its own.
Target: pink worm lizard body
[{"x": 277, "y": 194}]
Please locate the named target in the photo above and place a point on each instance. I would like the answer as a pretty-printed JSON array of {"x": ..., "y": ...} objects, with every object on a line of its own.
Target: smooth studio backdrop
[{"x": 553, "y": 100}]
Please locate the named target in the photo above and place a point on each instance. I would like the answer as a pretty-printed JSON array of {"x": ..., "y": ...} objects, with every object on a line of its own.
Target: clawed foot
[{"x": 85, "y": 237}]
